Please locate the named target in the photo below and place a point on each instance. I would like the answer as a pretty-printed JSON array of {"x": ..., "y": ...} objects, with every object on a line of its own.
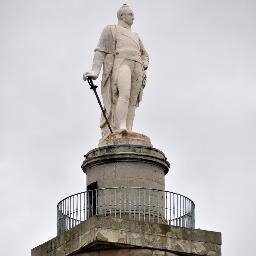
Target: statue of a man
[{"x": 124, "y": 61}]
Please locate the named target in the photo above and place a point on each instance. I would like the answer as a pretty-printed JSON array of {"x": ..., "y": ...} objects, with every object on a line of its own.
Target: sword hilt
[{"x": 92, "y": 85}]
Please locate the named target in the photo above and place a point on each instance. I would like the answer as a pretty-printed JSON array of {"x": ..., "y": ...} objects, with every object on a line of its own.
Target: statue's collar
[{"x": 124, "y": 25}]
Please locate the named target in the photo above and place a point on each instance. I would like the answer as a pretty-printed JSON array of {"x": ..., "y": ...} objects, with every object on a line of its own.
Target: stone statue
[{"x": 124, "y": 60}]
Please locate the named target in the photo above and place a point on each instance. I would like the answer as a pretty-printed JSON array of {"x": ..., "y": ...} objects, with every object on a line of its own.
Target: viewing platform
[{"x": 141, "y": 204}]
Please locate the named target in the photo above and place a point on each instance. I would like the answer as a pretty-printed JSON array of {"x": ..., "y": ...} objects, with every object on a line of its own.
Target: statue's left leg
[
  {"x": 130, "y": 117},
  {"x": 136, "y": 83},
  {"x": 124, "y": 88}
]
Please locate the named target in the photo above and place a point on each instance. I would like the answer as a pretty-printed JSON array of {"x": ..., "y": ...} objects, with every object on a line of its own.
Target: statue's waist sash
[{"x": 130, "y": 54}]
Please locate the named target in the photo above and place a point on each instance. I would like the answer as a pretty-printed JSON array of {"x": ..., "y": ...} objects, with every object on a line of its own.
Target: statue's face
[{"x": 128, "y": 16}]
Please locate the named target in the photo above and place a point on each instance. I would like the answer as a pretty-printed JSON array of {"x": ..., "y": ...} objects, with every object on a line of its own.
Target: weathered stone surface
[
  {"x": 170, "y": 254},
  {"x": 125, "y": 138},
  {"x": 100, "y": 234},
  {"x": 121, "y": 152},
  {"x": 126, "y": 166},
  {"x": 158, "y": 253},
  {"x": 127, "y": 252}
]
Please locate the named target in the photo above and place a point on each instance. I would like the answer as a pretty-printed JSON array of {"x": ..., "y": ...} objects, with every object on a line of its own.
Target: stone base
[
  {"x": 128, "y": 138},
  {"x": 107, "y": 236}
]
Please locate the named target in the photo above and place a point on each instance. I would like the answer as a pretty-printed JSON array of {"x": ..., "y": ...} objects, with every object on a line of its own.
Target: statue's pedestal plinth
[
  {"x": 127, "y": 138},
  {"x": 126, "y": 165},
  {"x": 129, "y": 179}
]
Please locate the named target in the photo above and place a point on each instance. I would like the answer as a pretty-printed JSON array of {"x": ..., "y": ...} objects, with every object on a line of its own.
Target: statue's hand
[
  {"x": 91, "y": 75},
  {"x": 145, "y": 67}
]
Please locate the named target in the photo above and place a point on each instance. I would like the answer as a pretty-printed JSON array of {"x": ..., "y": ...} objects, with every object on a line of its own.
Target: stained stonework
[
  {"x": 127, "y": 252},
  {"x": 103, "y": 236}
]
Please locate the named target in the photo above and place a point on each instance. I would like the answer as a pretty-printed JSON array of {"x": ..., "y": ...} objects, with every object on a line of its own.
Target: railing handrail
[
  {"x": 154, "y": 189},
  {"x": 149, "y": 205}
]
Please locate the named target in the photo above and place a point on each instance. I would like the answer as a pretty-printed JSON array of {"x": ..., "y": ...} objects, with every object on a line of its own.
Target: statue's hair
[{"x": 121, "y": 10}]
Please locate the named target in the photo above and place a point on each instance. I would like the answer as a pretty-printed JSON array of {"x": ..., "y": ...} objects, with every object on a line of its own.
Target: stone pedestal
[
  {"x": 126, "y": 166},
  {"x": 124, "y": 138},
  {"x": 126, "y": 179},
  {"x": 107, "y": 236}
]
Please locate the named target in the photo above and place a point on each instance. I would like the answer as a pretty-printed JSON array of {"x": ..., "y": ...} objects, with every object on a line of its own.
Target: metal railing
[{"x": 133, "y": 203}]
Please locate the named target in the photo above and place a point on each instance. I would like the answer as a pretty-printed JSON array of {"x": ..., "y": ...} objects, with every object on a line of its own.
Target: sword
[{"x": 94, "y": 87}]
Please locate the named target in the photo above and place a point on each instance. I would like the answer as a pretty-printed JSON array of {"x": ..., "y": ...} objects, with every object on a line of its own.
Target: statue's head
[{"x": 125, "y": 14}]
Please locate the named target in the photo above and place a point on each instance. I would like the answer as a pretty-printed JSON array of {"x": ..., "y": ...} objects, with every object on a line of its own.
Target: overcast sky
[{"x": 199, "y": 107}]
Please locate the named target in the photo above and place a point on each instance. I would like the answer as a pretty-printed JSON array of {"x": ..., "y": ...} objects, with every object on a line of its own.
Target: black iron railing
[{"x": 133, "y": 203}]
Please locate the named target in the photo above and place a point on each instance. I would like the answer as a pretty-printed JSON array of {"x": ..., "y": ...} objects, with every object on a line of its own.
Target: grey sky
[{"x": 199, "y": 107}]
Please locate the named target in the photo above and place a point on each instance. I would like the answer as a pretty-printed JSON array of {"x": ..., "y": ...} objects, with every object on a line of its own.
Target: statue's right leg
[{"x": 124, "y": 87}]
